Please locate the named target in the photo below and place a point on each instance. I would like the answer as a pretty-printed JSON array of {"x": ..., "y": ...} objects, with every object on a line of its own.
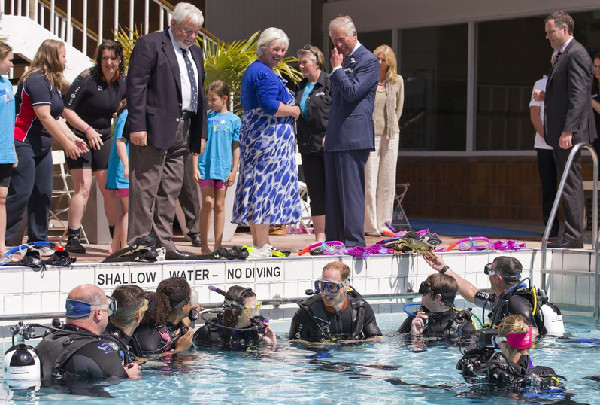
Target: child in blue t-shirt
[
  {"x": 8, "y": 157},
  {"x": 117, "y": 178},
  {"x": 216, "y": 168}
]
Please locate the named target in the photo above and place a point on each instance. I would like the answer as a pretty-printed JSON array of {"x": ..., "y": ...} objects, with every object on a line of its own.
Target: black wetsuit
[
  {"x": 73, "y": 352},
  {"x": 154, "y": 340},
  {"x": 129, "y": 348},
  {"x": 514, "y": 378},
  {"x": 214, "y": 334},
  {"x": 450, "y": 325},
  {"x": 315, "y": 323},
  {"x": 514, "y": 301}
]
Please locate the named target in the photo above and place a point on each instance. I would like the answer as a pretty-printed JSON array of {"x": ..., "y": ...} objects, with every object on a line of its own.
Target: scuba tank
[{"x": 22, "y": 367}]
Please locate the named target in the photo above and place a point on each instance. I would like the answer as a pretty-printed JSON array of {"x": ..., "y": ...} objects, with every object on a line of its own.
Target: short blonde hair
[
  {"x": 391, "y": 75},
  {"x": 269, "y": 35},
  {"x": 513, "y": 324},
  {"x": 341, "y": 267}
]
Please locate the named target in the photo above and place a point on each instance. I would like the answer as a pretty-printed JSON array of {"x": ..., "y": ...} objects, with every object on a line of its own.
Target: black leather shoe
[
  {"x": 565, "y": 244},
  {"x": 195, "y": 237},
  {"x": 177, "y": 255}
]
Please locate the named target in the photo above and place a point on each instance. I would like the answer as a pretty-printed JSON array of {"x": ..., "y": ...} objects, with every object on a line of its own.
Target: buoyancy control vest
[
  {"x": 57, "y": 347},
  {"x": 314, "y": 307}
]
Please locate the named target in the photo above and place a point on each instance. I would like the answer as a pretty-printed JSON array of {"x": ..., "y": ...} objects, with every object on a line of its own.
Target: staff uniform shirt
[
  {"x": 7, "y": 122},
  {"x": 33, "y": 91},
  {"x": 95, "y": 101},
  {"x": 540, "y": 143}
]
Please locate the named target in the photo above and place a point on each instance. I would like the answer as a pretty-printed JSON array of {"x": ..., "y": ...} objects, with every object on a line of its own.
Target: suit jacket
[
  {"x": 353, "y": 89},
  {"x": 154, "y": 92},
  {"x": 568, "y": 101}
]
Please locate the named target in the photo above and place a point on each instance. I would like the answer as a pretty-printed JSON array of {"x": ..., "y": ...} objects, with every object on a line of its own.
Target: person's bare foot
[{"x": 206, "y": 250}]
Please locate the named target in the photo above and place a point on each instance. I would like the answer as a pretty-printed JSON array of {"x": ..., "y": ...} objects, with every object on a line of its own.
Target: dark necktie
[
  {"x": 190, "y": 72},
  {"x": 558, "y": 56}
]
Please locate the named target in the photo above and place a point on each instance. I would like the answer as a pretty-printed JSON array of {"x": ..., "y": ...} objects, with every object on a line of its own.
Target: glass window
[
  {"x": 371, "y": 40},
  {"x": 511, "y": 56},
  {"x": 433, "y": 63}
]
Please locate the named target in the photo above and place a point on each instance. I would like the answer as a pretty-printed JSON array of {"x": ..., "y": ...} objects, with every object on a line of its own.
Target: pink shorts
[
  {"x": 216, "y": 184},
  {"x": 123, "y": 192}
]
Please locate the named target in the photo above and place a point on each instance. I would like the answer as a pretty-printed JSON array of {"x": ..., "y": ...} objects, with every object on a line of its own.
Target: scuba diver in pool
[
  {"x": 336, "y": 313},
  {"x": 131, "y": 306},
  {"x": 78, "y": 350},
  {"x": 510, "y": 295},
  {"x": 438, "y": 317},
  {"x": 239, "y": 326},
  {"x": 511, "y": 369},
  {"x": 164, "y": 328}
]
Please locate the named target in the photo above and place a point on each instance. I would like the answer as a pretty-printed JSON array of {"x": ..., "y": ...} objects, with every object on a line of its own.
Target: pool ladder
[{"x": 595, "y": 230}]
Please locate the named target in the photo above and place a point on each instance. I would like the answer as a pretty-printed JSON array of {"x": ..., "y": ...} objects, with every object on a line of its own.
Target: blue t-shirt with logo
[
  {"x": 217, "y": 160},
  {"x": 7, "y": 122}
]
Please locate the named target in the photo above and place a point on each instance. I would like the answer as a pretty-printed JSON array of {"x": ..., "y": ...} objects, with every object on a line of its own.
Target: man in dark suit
[
  {"x": 167, "y": 114},
  {"x": 350, "y": 133},
  {"x": 569, "y": 118}
]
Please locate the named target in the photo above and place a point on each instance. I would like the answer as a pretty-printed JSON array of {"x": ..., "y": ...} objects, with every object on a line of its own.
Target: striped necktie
[{"x": 190, "y": 72}]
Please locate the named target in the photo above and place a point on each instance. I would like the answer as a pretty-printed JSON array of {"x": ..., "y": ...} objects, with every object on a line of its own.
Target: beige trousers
[{"x": 380, "y": 183}]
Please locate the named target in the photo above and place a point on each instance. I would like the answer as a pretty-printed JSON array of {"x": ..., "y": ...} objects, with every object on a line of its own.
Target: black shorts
[
  {"x": 6, "y": 170},
  {"x": 96, "y": 159}
]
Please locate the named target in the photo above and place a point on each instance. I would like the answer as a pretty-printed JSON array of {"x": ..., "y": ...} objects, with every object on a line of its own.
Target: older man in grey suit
[{"x": 569, "y": 118}]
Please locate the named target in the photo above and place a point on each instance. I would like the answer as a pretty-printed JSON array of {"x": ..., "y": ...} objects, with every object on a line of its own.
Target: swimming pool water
[{"x": 348, "y": 374}]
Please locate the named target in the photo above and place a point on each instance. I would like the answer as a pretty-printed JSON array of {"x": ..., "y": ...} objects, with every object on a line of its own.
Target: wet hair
[
  {"x": 506, "y": 265},
  {"x": 344, "y": 22},
  {"x": 185, "y": 11},
  {"x": 314, "y": 54},
  {"x": 219, "y": 87},
  {"x": 391, "y": 74},
  {"x": 47, "y": 61},
  {"x": 440, "y": 283},
  {"x": 108, "y": 45},
  {"x": 513, "y": 324},
  {"x": 130, "y": 298},
  {"x": 5, "y": 49},
  {"x": 343, "y": 269},
  {"x": 167, "y": 299},
  {"x": 237, "y": 294},
  {"x": 269, "y": 35},
  {"x": 561, "y": 19},
  {"x": 595, "y": 84}
]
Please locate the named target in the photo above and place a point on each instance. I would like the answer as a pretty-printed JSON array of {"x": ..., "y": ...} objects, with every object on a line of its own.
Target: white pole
[
  {"x": 100, "y": 20},
  {"x": 18, "y": 8},
  {"x": 36, "y": 13},
  {"x": 161, "y": 19},
  {"x": 69, "y": 23},
  {"x": 52, "y": 4},
  {"x": 42, "y": 14},
  {"x": 84, "y": 21},
  {"x": 116, "y": 17},
  {"x": 130, "y": 19},
  {"x": 146, "y": 16}
]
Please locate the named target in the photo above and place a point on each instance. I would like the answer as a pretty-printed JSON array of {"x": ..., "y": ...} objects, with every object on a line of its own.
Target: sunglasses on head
[{"x": 331, "y": 286}]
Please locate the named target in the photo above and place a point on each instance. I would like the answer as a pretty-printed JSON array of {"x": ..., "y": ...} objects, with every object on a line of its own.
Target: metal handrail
[
  {"x": 595, "y": 230},
  {"x": 275, "y": 302}
]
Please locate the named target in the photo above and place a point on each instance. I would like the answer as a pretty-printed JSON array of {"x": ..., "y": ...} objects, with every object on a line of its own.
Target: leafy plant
[{"x": 222, "y": 61}]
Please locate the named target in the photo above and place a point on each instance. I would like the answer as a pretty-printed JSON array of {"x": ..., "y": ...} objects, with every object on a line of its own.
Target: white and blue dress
[{"x": 267, "y": 190}]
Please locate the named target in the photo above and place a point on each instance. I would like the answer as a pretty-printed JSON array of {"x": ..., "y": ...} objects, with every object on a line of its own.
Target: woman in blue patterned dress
[{"x": 267, "y": 190}]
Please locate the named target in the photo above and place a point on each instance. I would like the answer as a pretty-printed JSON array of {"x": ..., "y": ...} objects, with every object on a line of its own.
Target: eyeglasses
[
  {"x": 254, "y": 307},
  {"x": 331, "y": 286}
]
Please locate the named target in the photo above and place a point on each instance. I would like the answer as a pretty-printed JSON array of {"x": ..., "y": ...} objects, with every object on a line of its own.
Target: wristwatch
[{"x": 444, "y": 269}]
